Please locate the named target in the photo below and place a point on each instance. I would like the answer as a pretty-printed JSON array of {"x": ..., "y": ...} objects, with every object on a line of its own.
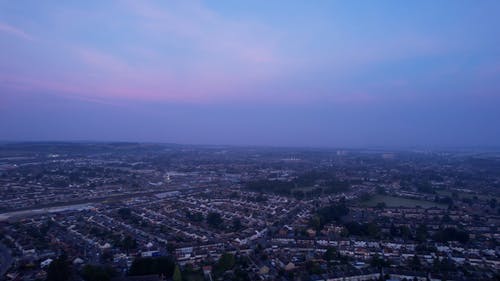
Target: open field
[
  {"x": 466, "y": 195},
  {"x": 392, "y": 201}
]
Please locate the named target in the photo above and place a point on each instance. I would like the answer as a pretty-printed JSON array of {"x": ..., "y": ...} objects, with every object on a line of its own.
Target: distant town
[{"x": 145, "y": 211}]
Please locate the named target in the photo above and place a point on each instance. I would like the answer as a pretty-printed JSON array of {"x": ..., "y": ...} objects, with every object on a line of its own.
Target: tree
[
  {"x": 421, "y": 233},
  {"x": 59, "y": 269},
  {"x": 260, "y": 198},
  {"x": 214, "y": 219},
  {"x": 330, "y": 254},
  {"x": 177, "y": 274},
  {"x": 145, "y": 266},
  {"x": 405, "y": 231},
  {"x": 379, "y": 262},
  {"x": 277, "y": 187},
  {"x": 493, "y": 203},
  {"x": 299, "y": 194},
  {"x": 365, "y": 197},
  {"x": 315, "y": 222},
  {"x": 241, "y": 274},
  {"x": 313, "y": 267},
  {"x": 394, "y": 231},
  {"x": 125, "y": 213},
  {"x": 97, "y": 273},
  {"x": 226, "y": 261},
  {"x": 443, "y": 265},
  {"x": 451, "y": 234},
  {"x": 128, "y": 243},
  {"x": 328, "y": 214},
  {"x": 425, "y": 187},
  {"x": 107, "y": 256},
  {"x": 380, "y": 190},
  {"x": 415, "y": 263},
  {"x": 363, "y": 229},
  {"x": 237, "y": 224},
  {"x": 196, "y": 216},
  {"x": 371, "y": 229}
]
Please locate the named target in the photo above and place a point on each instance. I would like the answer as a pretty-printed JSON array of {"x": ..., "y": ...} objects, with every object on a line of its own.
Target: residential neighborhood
[{"x": 211, "y": 213}]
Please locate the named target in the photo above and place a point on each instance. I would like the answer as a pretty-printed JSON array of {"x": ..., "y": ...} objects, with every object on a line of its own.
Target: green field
[
  {"x": 466, "y": 195},
  {"x": 392, "y": 201}
]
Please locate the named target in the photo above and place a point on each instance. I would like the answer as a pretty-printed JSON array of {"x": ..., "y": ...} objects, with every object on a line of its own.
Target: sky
[{"x": 282, "y": 73}]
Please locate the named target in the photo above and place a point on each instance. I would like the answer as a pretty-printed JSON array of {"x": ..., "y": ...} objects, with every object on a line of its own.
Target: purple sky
[{"x": 295, "y": 73}]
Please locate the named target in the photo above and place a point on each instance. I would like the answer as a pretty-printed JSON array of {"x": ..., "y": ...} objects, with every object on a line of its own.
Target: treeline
[
  {"x": 368, "y": 229},
  {"x": 228, "y": 267},
  {"x": 215, "y": 220},
  {"x": 451, "y": 234},
  {"x": 277, "y": 187},
  {"x": 327, "y": 215},
  {"x": 309, "y": 185},
  {"x": 160, "y": 265},
  {"x": 61, "y": 270},
  {"x": 338, "y": 213}
]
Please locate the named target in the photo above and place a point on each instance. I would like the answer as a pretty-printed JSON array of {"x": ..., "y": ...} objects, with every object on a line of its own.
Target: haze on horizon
[{"x": 281, "y": 73}]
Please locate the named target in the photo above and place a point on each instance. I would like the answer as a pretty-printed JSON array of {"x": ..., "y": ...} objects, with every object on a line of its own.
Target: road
[{"x": 79, "y": 204}]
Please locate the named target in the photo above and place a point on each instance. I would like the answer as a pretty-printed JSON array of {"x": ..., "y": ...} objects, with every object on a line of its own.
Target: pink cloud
[
  {"x": 102, "y": 61},
  {"x": 15, "y": 31},
  {"x": 245, "y": 42},
  {"x": 232, "y": 59},
  {"x": 67, "y": 89},
  {"x": 229, "y": 57},
  {"x": 106, "y": 75}
]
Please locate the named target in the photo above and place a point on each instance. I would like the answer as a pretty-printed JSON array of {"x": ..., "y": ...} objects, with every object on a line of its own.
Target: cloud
[
  {"x": 6, "y": 28},
  {"x": 184, "y": 51},
  {"x": 243, "y": 42},
  {"x": 102, "y": 61},
  {"x": 13, "y": 86}
]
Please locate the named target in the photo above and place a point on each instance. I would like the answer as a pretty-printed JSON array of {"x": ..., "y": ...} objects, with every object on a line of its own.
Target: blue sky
[{"x": 300, "y": 73}]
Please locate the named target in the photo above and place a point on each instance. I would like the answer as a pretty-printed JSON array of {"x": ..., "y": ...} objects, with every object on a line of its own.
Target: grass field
[
  {"x": 466, "y": 195},
  {"x": 392, "y": 201}
]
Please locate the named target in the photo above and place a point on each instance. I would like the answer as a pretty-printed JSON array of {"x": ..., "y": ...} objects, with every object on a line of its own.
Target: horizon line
[{"x": 333, "y": 147}]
